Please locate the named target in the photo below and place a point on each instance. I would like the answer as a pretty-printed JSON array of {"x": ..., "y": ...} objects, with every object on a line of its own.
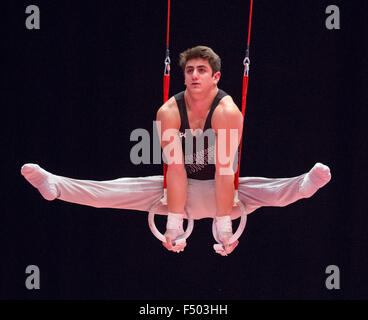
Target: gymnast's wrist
[
  {"x": 223, "y": 223},
  {"x": 174, "y": 221}
]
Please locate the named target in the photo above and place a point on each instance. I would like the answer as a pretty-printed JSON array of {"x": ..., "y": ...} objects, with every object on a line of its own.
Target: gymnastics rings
[{"x": 151, "y": 222}]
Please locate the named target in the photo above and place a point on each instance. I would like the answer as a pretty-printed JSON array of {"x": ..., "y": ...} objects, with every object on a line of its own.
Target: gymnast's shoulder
[
  {"x": 227, "y": 114},
  {"x": 168, "y": 111}
]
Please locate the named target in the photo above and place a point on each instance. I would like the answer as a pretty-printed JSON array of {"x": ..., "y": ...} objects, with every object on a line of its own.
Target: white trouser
[{"x": 142, "y": 192}]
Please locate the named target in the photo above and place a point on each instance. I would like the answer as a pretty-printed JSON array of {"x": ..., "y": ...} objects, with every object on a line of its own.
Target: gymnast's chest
[{"x": 196, "y": 122}]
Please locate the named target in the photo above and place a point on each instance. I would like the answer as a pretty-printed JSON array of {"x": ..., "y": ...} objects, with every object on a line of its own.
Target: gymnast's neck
[{"x": 200, "y": 102}]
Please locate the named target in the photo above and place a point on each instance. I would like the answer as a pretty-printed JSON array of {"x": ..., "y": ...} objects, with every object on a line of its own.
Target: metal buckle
[
  {"x": 246, "y": 63},
  {"x": 167, "y": 65}
]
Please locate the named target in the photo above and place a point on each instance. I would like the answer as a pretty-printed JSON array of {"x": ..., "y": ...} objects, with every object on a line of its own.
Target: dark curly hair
[{"x": 202, "y": 52}]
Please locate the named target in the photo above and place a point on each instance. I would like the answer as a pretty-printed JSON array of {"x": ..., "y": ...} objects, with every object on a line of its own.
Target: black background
[{"x": 73, "y": 91}]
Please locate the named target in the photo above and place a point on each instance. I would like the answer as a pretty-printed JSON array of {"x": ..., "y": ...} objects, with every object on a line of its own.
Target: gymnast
[{"x": 198, "y": 179}]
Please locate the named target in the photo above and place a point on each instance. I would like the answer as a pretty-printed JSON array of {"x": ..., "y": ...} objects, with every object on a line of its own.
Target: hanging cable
[
  {"x": 246, "y": 63},
  {"x": 167, "y": 76}
]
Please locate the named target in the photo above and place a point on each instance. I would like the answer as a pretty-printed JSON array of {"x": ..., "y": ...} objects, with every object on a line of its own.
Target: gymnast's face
[{"x": 198, "y": 76}]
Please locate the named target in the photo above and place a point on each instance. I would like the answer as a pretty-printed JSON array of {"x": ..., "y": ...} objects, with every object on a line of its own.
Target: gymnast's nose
[{"x": 195, "y": 74}]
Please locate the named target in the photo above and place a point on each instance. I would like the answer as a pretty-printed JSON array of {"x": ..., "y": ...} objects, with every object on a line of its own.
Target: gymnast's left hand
[
  {"x": 171, "y": 236},
  {"x": 228, "y": 247}
]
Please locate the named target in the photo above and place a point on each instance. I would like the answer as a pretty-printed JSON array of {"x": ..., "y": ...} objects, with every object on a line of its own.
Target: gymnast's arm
[
  {"x": 227, "y": 122},
  {"x": 176, "y": 176}
]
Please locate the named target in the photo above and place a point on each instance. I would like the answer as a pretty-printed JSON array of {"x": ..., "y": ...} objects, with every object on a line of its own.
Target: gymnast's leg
[
  {"x": 124, "y": 193},
  {"x": 280, "y": 192}
]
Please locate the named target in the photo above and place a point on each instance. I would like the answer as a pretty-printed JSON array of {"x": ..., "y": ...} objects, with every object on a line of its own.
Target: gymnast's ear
[{"x": 216, "y": 77}]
